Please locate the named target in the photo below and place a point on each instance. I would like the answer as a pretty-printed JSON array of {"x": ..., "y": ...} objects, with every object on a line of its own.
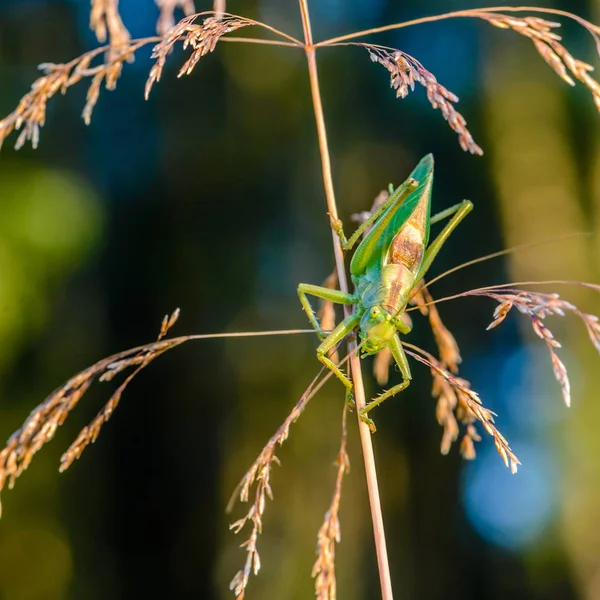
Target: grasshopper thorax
[{"x": 377, "y": 327}]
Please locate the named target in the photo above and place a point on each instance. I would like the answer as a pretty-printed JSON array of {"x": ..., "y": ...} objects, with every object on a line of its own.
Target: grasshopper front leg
[
  {"x": 398, "y": 353},
  {"x": 325, "y": 294},
  {"x": 336, "y": 336}
]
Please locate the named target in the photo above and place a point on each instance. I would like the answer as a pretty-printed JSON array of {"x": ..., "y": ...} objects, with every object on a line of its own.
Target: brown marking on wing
[{"x": 407, "y": 247}]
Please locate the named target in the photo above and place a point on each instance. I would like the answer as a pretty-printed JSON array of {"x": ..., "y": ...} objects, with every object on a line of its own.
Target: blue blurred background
[{"x": 209, "y": 197}]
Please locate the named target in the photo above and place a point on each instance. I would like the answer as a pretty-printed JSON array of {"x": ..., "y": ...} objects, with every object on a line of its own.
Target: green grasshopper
[{"x": 386, "y": 267}]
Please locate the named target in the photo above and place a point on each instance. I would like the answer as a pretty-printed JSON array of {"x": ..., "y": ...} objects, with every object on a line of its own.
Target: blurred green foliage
[{"x": 49, "y": 222}]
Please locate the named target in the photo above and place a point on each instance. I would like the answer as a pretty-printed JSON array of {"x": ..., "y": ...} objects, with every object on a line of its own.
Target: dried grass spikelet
[
  {"x": 42, "y": 423},
  {"x": 444, "y": 411},
  {"x": 201, "y": 38},
  {"x": 106, "y": 23},
  {"x": 469, "y": 407},
  {"x": 548, "y": 44},
  {"x": 329, "y": 533},
  {"x": 537, "y": 306},
  {"x": 30, "y": 114},
  {"x": 445, "y": 341},
  {"x": 166, "y": 18},
  {"x": 457, "y": 404},
  {"x": 405, "y": 71},
  {"x": 449, "y": 408},
  {"x": 259, "y": 475}
]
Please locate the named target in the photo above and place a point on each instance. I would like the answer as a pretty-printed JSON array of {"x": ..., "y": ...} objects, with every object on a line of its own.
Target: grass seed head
[
  {"x": 405, "y": 71},
  {"x": 202, "y": 38},
  {"x": 548, "y": 44}
]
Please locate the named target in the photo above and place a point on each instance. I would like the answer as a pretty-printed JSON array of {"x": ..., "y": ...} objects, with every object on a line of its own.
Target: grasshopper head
[{"x": 376, "y": 329}]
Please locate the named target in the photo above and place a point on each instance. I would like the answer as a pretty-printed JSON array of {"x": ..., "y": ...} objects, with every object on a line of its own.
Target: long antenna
[{"x": 511, "y": 250}]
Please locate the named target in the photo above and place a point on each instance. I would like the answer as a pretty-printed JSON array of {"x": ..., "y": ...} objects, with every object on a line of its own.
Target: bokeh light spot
[{"x": 510, "y": 510}]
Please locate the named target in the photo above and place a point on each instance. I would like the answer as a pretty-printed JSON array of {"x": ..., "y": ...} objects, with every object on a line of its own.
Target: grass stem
[
  {"x": 469, "y": 13},
  {"x": 359, "y": 392}
]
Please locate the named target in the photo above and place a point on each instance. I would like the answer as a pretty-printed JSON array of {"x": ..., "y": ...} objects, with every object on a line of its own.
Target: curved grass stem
[
  {"x": 359, "y": 392},
  {"x": 468, "y": 13}
]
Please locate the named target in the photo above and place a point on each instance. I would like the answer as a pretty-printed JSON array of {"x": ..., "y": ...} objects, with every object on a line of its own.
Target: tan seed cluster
[
  {"x": 201, "y": 38},
  {"x": 451, "y": 408},
  {"x": 405, "y": 71},
  {"x": 445, "y": 341},
  {"x": 548, "y": 44},
  {"x": 329, "y": 533},
  {"x": 259, "y": 476},
  {"x": 469, "y": 408},
  {"x": 537, "y": 307},
  {"x": 41, "y": 425},
  {"x": 30, "y": 114}
]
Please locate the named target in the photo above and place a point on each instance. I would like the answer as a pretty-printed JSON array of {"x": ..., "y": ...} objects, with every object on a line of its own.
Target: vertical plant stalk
[
  {"x": 359, "y": 392},
  {"x": 219, "y": 7}
]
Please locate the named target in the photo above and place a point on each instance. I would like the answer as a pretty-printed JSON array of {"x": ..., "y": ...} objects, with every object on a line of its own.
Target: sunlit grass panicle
[
  {"x": 258, "y": 475},
  {"x": 537, "y": 306},
  {"x": 30, "y": 114},
  {"x": 548, "y": 44},
  {"x": 329, "y": 533},
  {"x": 202, "y": 38},
  {"x": 41, "y": 425},
  {"x": 405, "y": 71},
  {"x": 469, "y": 407}
]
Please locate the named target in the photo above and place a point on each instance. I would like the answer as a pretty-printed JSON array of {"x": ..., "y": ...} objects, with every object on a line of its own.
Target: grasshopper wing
[{"x": 373, "y": 250}]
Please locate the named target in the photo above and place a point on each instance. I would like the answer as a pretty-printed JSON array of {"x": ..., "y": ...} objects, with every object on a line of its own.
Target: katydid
[{"x": 389, "y": 262}]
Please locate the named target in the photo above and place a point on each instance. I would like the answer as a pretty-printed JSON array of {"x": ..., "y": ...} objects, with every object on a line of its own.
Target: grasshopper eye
[{"x": 374, "y": 312}]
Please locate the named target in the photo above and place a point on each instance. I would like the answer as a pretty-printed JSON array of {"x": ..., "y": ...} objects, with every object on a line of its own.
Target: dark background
[{"x": 209, "y": 197}]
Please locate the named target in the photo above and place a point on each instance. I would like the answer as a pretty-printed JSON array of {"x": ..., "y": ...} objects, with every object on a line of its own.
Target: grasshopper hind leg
[{"x": 400, "y": 358}]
